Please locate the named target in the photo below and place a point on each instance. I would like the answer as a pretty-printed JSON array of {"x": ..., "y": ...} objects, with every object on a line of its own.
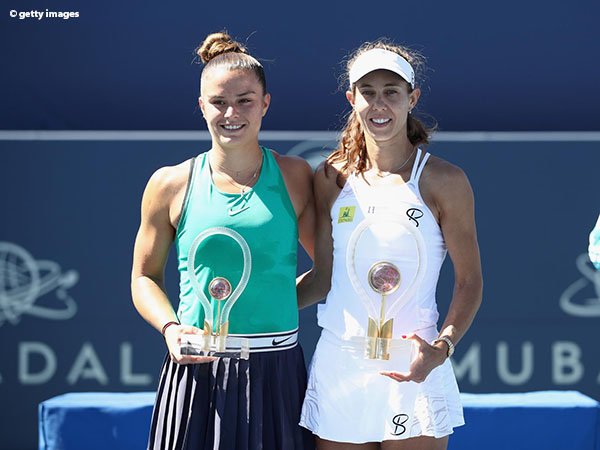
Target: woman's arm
[
  {"x": 313, "y": 285},
  {"x": 457, "y": 220},
  {"x": 150, "y": 254},
  {"x": 298, "y": 178},
  {"x": 452, "y": 198}
]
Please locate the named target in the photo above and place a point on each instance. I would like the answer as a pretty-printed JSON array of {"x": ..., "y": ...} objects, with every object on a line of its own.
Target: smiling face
[
  {"x": 233, "y": 104},
  {"x": 382, "y": 101}
]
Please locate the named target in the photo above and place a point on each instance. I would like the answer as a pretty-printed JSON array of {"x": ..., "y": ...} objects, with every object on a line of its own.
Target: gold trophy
[
  {"x": 384, "y": 278},
  {"x": 392, "y": 278},
  {"x": 220, "y": 289},
  {"x": 215, "y": 340}
]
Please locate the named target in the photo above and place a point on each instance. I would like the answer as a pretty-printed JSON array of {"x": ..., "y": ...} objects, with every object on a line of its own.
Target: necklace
[
  {"x": 241, "y": 186},
  {"x": 396, "y": 169}
]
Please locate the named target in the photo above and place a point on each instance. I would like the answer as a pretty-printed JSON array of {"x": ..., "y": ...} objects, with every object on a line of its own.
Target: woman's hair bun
[{"x": 216, "y": 44}]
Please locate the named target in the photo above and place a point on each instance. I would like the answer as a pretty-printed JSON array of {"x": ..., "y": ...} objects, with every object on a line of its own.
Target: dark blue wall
[
  {"x": 510, "y": 65},
  {"x": 70, "y": 212}
]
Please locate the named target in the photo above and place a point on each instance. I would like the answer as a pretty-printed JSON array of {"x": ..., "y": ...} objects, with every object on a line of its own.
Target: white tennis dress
[{"x": 348, "y": 400}]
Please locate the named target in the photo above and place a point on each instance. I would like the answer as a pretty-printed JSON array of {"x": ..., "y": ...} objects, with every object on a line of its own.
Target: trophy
[
  {"x": 215, "y": 339},
  {"x": 391, "y": 284}
]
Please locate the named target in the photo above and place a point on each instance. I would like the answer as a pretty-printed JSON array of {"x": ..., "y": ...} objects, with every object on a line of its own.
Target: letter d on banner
[{"x": 26, "y": 349}]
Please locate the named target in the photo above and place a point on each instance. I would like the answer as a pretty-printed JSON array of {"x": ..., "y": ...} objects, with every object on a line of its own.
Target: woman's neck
[
  {"x": 235, "y": 159},
  {"x": 389, "y": 156}
]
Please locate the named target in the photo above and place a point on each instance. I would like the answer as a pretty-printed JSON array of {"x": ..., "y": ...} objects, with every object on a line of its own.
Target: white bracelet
[{"x": 447, "y": 340}]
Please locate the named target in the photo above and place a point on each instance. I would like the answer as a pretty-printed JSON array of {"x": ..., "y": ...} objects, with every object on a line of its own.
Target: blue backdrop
[
  {"x": 510, "y": 65},
  {"x": 71, "y": 211}
]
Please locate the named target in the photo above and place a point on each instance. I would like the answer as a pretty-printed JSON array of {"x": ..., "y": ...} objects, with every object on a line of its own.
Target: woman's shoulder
[
  {"x": 331, "y": 174},
  {"x": 329, "y": 181},
  {"x": 290, "y": 162},
  {"x": 169, "y": 180},
  {"x": 444, "y": 180},
  {"x": 293, "y": 167},
  {"x": 442, "y": 171}
]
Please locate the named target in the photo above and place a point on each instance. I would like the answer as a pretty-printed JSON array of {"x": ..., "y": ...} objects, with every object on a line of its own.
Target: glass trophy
[
  {"x": 215, "y": 339},
  {"x": 386, "y": 262},
  {"x": 384, "y": 278}
]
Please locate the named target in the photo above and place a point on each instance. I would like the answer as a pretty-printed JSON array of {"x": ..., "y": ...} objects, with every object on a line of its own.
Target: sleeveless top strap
[
  {"x": 420, "y": 167},
  {"x": 415, "y": 165}
]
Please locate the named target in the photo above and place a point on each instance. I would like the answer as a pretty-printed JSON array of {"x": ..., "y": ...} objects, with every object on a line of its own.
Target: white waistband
[
  {"x": 255, "y": 343},
  {"x": 270, "y": 342}
]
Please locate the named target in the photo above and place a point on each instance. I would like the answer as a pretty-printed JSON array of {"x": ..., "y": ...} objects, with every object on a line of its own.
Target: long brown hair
[{"x": 351, "y": 151}]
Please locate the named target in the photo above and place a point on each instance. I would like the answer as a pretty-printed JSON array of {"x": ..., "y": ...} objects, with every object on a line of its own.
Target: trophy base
[
  {"x": 395, "y": 354},
  {"x": 218, "y": 346},
  {"x": 377, "y": 348}
]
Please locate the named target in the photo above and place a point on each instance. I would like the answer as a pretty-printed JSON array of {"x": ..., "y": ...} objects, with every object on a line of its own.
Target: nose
[
  {"x": 378, "y": 103},
  {"x": 230, "y": 112}
]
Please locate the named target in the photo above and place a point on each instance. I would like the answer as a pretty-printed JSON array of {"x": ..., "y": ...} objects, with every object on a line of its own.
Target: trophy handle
[
  {"x": 206, "y": 335},
  {"x": 221, "y": 337},
  {"x": 372, "y": 335},
  {"x": 387, "y": 329}
]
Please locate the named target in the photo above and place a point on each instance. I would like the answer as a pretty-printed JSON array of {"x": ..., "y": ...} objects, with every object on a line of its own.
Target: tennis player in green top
[{"x": 264, "y": 200}]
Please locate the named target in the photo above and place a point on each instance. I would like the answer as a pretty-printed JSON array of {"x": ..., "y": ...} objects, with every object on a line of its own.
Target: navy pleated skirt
[{"x": 232, "y": 404}]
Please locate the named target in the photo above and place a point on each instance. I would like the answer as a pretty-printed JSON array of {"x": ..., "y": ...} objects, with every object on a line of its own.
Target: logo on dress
[
  {"x": 275, "y": 342},
  {"x": 414, "y": 214},
  {"x": 346, "y": 214},
  {"x": 399, "y": 420}
]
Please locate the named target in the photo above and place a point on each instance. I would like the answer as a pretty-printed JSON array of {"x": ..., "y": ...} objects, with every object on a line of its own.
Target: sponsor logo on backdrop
[
  {"x": 313, "y": 151},
  {"x": 40, "y": 288},
  {"x": 575, "y": 300},
  {"x": 567, "y": 362},
  {"x": 25, "y": 280}
]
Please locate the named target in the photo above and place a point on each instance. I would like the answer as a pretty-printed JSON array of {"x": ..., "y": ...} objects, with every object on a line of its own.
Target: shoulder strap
[
  {"x": 188, "y": 190},
  {"x": 413, "y": 174},
  {"x": 419, "y": 167}
]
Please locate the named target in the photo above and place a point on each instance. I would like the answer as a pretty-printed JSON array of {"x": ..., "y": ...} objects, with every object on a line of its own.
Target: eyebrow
[
  {"x": 386, "y": 85},
  {"x": 237, "y": 95}
]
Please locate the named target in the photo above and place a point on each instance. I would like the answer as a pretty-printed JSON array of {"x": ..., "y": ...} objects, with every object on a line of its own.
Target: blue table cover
[
  {"x": 96, "y": 421},
  {"x": 547, "y": 420}
]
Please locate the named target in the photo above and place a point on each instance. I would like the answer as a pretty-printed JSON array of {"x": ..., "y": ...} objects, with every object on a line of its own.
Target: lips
[
  {"x": 380, "y": 121},
  {"x": 232, "y": 127}
]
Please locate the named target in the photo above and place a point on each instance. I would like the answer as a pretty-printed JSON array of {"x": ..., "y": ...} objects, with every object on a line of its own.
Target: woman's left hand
[{"x": 428, "y": 358}]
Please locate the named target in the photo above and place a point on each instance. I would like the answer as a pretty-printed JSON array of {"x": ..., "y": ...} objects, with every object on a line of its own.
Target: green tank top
[{"x": 264, "y": 217}]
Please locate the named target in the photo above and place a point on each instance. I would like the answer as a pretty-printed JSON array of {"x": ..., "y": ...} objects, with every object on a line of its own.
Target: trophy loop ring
[
  {"x": 219, "y": 288},
  {"x": 220, "y": 285},
  {"x": 384, "y": 277}
]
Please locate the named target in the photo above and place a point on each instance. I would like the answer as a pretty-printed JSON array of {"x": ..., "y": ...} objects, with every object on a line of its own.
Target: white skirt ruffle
[{"x": 347, "y": 400}]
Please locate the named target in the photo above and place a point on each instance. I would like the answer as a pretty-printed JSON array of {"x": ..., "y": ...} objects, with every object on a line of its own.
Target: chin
[
  {"x": 380, "y": 136},
  {"x": 232, "y": 140}
]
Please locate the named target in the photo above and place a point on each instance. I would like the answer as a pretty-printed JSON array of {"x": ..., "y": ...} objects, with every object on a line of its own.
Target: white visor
[{"x": 379, "y": 58}]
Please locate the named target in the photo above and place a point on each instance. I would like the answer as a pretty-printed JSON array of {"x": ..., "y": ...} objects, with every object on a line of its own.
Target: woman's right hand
[{"x": 173, "y": 339}]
